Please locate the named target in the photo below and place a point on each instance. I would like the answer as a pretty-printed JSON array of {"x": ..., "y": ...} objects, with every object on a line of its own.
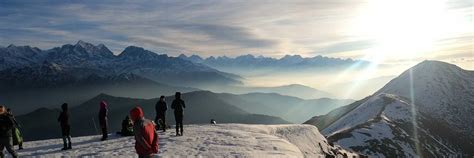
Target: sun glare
[{"x": 402, "y": 29}]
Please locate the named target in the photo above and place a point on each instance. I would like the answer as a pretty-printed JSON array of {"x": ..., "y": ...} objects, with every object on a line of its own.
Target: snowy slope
[
  {"x": 226, "y": 140},
  {"x": 372, "y": 128},
  {"x": 442, "y": 90},
  {"x": 384, "y": 127},
  {"x": 433, "y": 121}
]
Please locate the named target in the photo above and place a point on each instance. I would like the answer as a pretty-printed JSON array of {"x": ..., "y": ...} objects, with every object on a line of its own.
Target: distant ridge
[{"x": 261, "y": 61}]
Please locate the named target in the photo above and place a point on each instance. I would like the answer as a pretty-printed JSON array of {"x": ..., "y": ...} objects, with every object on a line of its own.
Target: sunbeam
[{"x": 413, "y": 115}]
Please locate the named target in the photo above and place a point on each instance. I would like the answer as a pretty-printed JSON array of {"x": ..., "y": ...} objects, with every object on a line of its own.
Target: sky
[{"x": 382, "y": 31}]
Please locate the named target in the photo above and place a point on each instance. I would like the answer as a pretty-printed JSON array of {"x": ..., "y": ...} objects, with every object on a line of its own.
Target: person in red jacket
[{"x": 146, "y": 137}]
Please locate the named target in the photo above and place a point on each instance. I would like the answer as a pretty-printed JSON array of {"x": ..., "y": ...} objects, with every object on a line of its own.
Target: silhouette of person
[
  {"x": 160, "y": 109},
  {"x": 6, "y": 133},
  {"x": 178, "y": 106},
  {"x": 65, "y": 127},
  {"x": 17, "y": 137},
  {"x": 103, "y": 111}
]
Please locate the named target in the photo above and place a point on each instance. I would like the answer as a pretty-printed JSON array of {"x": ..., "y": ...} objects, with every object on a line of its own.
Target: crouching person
[
  {"x": 127, "y": 127},
  {"x": 146, "y": 137}
]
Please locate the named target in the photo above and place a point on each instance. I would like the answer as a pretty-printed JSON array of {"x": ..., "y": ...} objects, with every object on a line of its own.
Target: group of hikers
[{"x": 134, "y": 124}]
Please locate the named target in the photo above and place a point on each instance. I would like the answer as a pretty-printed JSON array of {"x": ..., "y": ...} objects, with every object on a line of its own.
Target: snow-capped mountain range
[
  {"x": 288, "y": 61},
  {"x": 84, "y": 59},
  {"x": 424, "y": 112}
]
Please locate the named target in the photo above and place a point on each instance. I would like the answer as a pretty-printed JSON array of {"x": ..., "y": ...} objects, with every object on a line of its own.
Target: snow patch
[{"x": 226, "y": 140}]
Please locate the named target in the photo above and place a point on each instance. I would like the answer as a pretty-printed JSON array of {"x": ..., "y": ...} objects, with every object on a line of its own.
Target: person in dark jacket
[
  {"x": 17, "y": 137},
  {"x": 103, "y": 119},
  {"x": 6, "y": 133},
  {"x": 65, "y": 127},
  {"x": 178, "y": 107},
  {"x": 127, "y": 127},
  {"x": 160, "y": 109},
  {"x": 146, "y": 138}
]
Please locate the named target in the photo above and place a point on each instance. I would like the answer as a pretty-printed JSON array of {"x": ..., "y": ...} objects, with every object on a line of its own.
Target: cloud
[
  {"x": 148, "y": 41},
  {"x": 207, "y": 27},
  {"x": 348, "y": 46}
]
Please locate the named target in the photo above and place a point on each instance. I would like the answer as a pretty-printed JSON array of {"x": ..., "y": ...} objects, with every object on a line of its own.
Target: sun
[{"x": 402, "y": 29}]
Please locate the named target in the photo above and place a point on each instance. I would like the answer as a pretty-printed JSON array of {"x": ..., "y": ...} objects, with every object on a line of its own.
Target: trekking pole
[{"x": 96, "y": 131}]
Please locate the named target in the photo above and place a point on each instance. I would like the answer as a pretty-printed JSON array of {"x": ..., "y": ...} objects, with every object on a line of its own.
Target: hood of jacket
[
  {"x": 136, "y": 113},
  {"x": 103, "y": 105}
]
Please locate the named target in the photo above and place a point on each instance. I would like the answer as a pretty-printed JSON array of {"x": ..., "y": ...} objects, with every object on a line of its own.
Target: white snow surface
[
  {"x": 363, "y": 113},
  {"x": 440, "y": 90},
  {"x": 222, "y": 140},
  {"x": 382, "y": 110}
]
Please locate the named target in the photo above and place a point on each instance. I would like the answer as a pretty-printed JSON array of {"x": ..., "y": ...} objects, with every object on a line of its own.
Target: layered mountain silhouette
[
  {"x": 201, "y": 107},
  {"x": 426, "y": 111},
  {"x": 293, "y": 109},
  {"x": 31, "y": 87},
  {"x": 295, "y": 90}
]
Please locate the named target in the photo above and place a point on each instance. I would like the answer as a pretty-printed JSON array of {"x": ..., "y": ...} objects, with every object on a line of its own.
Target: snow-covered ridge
[
  {"x": 365, "y": 112},
  {"x": 223, "y": 140},
  {"x": 442, "y": 90},
  {"x": 261, "y": 61},
  {"x": 424, "y": 112}
]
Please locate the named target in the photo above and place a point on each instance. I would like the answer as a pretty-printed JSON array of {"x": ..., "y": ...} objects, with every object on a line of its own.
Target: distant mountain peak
[
  {"x": 84, "y": 44},
  {"x": 193, "y": 58},
  {"x": 292, "y": 56},
  {"x": 434, "y": 65},
  {"x": 182, "y": 56},
  {"x": 248, "y": 56},
  {"x": 81, "y": 50},
  {"x": 138, "y": 52},
  {"x": 134, "y": 48},
  {"x": 287, "y": 61},
  {"x": 194, "y": 55},
  {"x": 102, "y": 46},
  {"x": 11, "y": 46}
]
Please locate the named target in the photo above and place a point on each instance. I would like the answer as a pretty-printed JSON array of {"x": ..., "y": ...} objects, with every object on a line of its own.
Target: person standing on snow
[
  {"x": 146, "y": 137},
  {"x": 17, "y": 137},
  {"x": 6, "y": 133},
  {"x": 103, "y": 111},
  {"x": 65, "y": 127},
  {"x": 178, "y": 107},
  {"x": 160, "y": 109}
]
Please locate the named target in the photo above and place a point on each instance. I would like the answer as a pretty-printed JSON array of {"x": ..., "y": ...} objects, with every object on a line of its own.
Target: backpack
[
  {"x": 147, "y": 131},
  {"x": 17, "y": 138}
]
